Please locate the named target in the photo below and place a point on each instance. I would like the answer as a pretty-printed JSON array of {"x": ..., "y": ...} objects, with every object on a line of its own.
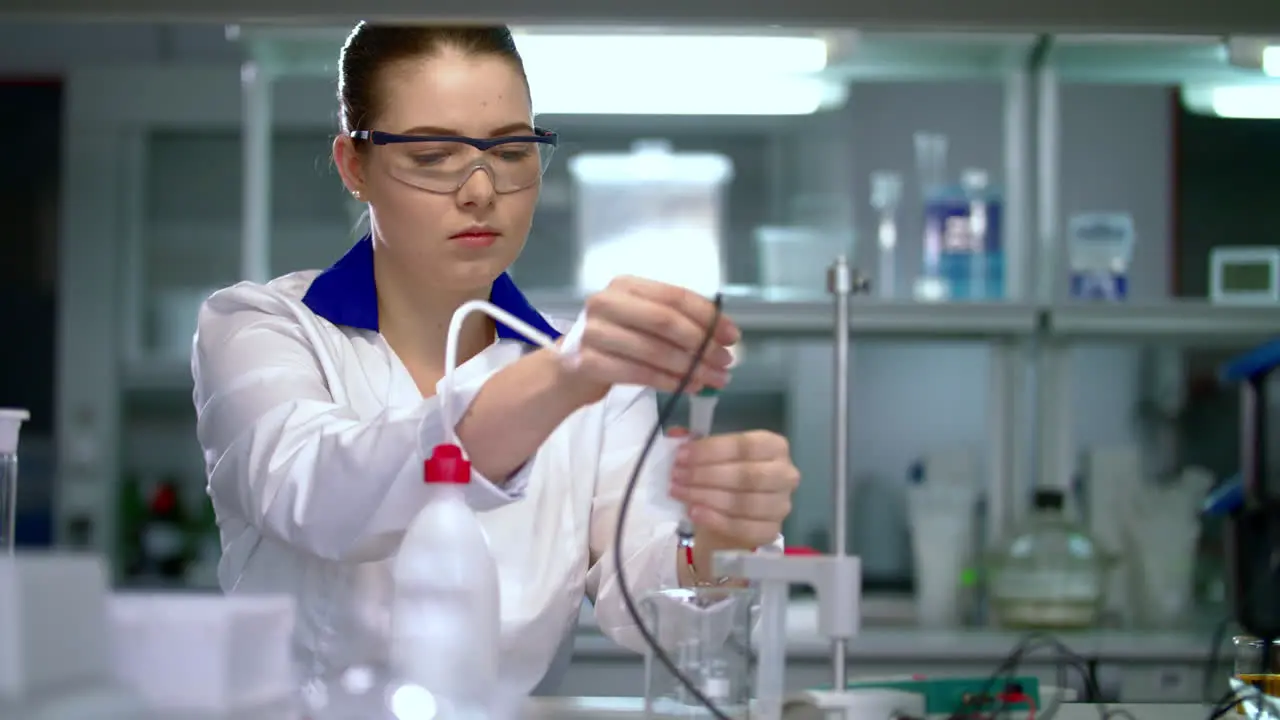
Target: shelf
[
  {"x": 154, "y": 380},
  {"x": 1112, "y": 59},
  {"x": 1188, "y": 322},
  {"x": 868, "y": 319},
  {"x": 890, "y": 56},
  {"x": 1134, "y": 16}
]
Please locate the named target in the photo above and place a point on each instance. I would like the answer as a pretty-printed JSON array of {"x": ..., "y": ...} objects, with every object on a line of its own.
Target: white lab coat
[{"x": 313, "y": 436}]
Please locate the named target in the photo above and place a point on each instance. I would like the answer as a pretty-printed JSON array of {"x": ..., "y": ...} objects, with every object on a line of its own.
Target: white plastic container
[
  {"x": 445, "y": 619},
  {"x": 53, "y": 624},
  {"x": 205, "y": 654},
  {"x": 795, "y": 259},
  {"x": 652, "y": 213}
]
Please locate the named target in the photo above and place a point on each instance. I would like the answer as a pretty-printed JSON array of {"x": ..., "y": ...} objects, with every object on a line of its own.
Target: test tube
[
  {"x": 886, "y": 191},
  {"x": 11, "y": 420}
]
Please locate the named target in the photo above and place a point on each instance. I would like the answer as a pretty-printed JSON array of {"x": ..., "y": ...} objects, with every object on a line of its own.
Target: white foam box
[
  {"x": 53, "y": 623},
  {"x": 203, "y": 653}
]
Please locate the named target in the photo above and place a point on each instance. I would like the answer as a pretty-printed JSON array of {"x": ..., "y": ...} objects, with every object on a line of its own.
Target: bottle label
[
  {"x": 970, "y": 258},
  {"x": 963, "y": 231}
]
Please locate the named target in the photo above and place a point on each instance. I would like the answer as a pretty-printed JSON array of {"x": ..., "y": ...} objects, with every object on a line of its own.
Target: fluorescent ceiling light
[
  {"x": 675, "y": 54},
  {"x": 1247, "y": 101},
  {"x": 1258, "y": 101},
  {"x": 1271, "y": 60},
  {"x": 640, "y": 74},
  {"x": 591, "y": 93}
]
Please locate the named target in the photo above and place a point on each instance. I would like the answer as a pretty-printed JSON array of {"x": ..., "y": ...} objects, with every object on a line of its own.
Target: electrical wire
[
  {"x": 1232, "y": 697},
  {"x": 664, "y": 415},
  {"x": 1215, "y": 658},
  {"x": 1007, "y": 670},
  {"x": 1001, "y": 686}
]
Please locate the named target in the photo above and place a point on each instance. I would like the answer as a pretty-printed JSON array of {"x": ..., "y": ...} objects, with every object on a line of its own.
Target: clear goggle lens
[{"x": 444, "y": 166}]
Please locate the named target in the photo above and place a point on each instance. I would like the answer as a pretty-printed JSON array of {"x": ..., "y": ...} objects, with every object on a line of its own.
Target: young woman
[{"x": 317, "y": 393}]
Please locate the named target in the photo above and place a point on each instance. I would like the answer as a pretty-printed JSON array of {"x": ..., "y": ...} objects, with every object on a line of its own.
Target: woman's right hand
[{"x": 643, "y": 332}]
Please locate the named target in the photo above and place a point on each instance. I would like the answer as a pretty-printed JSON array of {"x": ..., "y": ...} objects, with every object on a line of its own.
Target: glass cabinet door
[{"x": 190, "y": 230}]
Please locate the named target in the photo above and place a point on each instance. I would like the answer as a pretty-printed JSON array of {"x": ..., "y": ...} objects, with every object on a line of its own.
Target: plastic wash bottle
[{"x": 445, "y": 619}]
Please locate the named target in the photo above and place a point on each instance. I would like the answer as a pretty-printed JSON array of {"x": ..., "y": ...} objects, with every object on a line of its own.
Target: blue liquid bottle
[{"x": 971, "y": 256}]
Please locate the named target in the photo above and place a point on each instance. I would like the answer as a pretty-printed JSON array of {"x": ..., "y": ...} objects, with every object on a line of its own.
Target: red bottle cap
[{"x": 447, "y": 465}]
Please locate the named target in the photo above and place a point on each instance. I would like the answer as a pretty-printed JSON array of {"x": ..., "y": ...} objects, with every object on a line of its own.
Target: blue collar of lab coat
[{"x": 346, "y": 294}]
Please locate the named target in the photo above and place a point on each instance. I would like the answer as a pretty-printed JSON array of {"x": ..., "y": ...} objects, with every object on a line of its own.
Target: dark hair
[{"x": 370, "y": 49}]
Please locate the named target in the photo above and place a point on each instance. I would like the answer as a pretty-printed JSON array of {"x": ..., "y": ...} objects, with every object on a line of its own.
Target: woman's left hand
[{"x": 737, "y": 487}]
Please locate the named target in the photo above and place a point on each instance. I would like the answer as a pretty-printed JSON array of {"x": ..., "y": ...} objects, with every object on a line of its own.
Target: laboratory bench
[
  {"x": 626, "y": 708},
  {"x": 1130, "y": 665}
]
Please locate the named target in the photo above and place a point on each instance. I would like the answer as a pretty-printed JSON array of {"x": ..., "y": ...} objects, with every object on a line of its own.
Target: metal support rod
[
  {"x": 1048, "y": 175},
  {"x": 255, "y": 234},
  {"x": 1055, "y": 420},
  {"x": 1006, "y": 377},
  {"x": 840, "y": 285}
]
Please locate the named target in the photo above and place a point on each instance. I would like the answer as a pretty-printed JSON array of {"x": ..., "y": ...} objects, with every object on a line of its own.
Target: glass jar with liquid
[
  {"x": 1051, "y": 574},
  {"x": 1257, "y": 664}
]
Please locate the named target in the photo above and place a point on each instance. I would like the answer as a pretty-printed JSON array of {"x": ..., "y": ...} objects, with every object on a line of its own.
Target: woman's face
[{"x": 461, "y": 240}]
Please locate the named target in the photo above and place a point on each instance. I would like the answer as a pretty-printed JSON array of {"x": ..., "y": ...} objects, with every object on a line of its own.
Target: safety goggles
[{"x": 443, "y": 163}]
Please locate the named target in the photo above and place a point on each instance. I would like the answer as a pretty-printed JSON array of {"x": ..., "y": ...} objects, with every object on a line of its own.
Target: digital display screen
[{"x": 1246, "y": 277}]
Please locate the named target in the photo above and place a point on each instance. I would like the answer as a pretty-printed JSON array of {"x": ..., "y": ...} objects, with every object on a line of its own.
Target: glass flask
[
  {"x": 1051, "y": 574},
  {"x": 706, "y": 633}
]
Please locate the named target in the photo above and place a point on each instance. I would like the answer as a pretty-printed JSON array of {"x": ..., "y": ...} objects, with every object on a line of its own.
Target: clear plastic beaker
[{"x": 706, "y": 634}]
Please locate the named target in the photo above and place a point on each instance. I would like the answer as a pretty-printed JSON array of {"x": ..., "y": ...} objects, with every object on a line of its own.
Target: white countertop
[
  {"x": 628, "y": 708},
  {"x": 912, "y": 643}
]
